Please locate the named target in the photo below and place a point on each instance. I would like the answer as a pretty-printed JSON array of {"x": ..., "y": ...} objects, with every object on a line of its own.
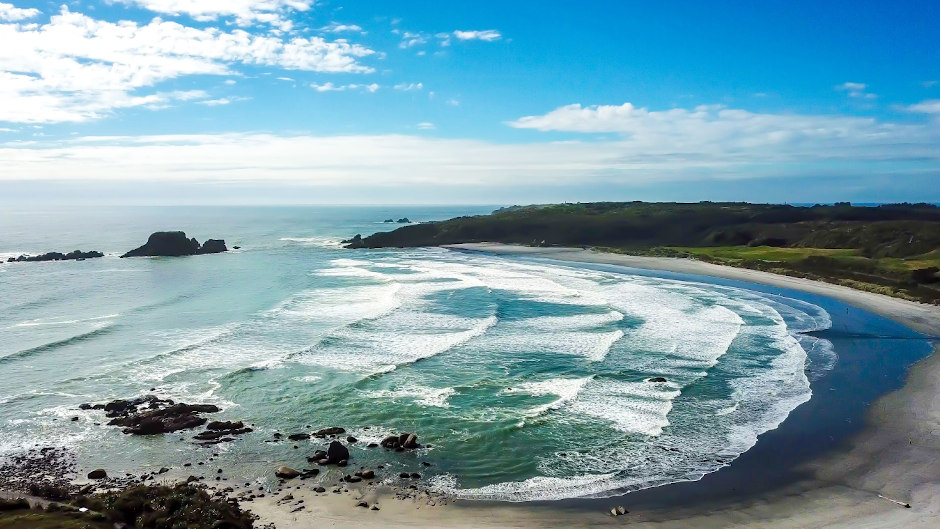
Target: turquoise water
[{"x": 529, "y": 378}]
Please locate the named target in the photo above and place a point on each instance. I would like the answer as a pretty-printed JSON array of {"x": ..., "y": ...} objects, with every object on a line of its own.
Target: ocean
[{"x": 530, "y": 379}]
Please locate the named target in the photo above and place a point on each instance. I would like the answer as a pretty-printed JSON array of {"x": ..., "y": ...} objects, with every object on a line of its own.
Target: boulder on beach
[
  {"x": 175, "y": 244},
  {"x": 286, "y": 472},
  {"x": 97, "y": 474}
]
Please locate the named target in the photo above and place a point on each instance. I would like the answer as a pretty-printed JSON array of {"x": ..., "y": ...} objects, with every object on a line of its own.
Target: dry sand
[{"x": 896, "y": 457}]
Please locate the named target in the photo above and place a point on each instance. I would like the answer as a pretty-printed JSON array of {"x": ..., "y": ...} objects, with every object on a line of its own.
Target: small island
[
  {"x": 175, "y": 244},
  {"x": 75, "y": 255}
]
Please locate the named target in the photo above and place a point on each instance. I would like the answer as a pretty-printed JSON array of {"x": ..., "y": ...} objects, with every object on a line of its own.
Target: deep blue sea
[{"x": 529, "y": 378}]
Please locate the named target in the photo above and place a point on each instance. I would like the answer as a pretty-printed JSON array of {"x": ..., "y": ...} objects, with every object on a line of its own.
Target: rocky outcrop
[
  {"x": 151, "y": 415},
  {"x": 221, "y": 432},
  {"x": 337, "y": 452},
  {"x": 404, "y": 441},
  {"x": 75, "y": 255},
  {"x": 175, "y": 244}
]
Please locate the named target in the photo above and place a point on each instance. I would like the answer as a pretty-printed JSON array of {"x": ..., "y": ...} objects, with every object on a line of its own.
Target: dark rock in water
[
  {"x": 75, "y": 255},
  {"x": 219, "y": 431},
  {"x": 415, "y": 475},
  {"x": 355, "y": 242},
  {"x": 298, "y": 437},
  {"x": 333, "y": 430},
  {"x": 84, "y": 406},
  {"x": 388, "y": 221},
  {"x": 212, "y": 246},
  {"x": 404, "y": 441},
  {"x": 337, "y": 452},
  {"x": 342, "y": 463},
  {"x": 404, "y": 220},
  {"x": 368, "y": 474},
  {"x": 286, "y": 472},
  {"x": 97, "y": 474},
  {"x": 225, "y": 425},
  {"x": 175, "y": 244},
  {"x": 150, "y": 415},
  {"x": 351, "y": 439},
  {"x": 656, "y": 379},
  {"x": 404, "y": 475}
]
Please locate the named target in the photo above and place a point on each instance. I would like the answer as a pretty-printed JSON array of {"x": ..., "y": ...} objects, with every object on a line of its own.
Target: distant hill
[{"x": 887, "y": 245}]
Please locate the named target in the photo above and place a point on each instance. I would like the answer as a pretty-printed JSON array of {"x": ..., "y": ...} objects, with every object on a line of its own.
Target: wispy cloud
[
  {"x": 426, "y": 125},
  {"x": 487, "y": 35},
  {"x": 409, "y": 87},
  {"x": 336, "y": 27},
  {"x": 856, "y": 90},
  {"x": 930, "y": 106},
  {"x": 330, "y": 87}
]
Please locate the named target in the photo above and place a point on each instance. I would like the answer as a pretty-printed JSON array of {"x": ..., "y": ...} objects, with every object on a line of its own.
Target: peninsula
[{"x": 891, "y": 249}]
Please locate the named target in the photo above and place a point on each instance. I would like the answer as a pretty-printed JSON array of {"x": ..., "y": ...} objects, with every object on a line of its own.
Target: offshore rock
[{"x": 175, "y": 244}]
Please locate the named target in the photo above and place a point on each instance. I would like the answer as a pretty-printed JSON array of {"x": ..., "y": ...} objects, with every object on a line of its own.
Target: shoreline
[
  {"x": 920, "y": 317},
  {"x": 896, "y": 453}
]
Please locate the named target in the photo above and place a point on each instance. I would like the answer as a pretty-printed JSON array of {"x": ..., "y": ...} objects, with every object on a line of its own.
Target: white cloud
[
  {"x": 488, "y": 35},
  {"x": 930, "y": 106},
  {"x": 409, "y": 87},
  {"x": 667, "y": 146},
  {"x": 12, "y": 13},
  {"x": 715, "y": 134},
  {"x": 330, "y": 87},
  {"x": 426, "y": 125},
  {"x": 77, "y": 68},
  {"x": 336, "y": 27},
  {"x": 244, "y": 12},
  {"x": 856, "y": 90}
]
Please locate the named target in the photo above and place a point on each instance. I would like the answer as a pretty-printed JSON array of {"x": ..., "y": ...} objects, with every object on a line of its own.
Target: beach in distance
[{"x": 544, "y": 386}]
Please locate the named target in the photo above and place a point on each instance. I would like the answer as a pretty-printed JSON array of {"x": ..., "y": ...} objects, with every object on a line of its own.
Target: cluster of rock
[
  {"x": 175, "y": 244},
  {"x": 401, "y": 442},
  {"x": 403, "y": 220},
  {"x": 221, "y": 432},
  {"x": 151, "y": 415},
  {"x": 75, "y": 255}
]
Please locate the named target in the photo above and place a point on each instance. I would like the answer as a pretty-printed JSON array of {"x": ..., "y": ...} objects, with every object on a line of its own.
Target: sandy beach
[{"x": 895, "y": 460}]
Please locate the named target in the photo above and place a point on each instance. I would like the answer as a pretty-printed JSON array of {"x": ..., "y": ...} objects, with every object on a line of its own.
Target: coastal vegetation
[{"x": 892, "y": 249}]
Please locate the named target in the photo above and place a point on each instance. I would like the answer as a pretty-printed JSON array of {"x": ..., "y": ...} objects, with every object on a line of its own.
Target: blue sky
[{"x": 243, "y": 101}]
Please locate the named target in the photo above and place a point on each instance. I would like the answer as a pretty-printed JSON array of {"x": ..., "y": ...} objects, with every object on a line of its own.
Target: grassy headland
[{"x": 891, "y": 249}]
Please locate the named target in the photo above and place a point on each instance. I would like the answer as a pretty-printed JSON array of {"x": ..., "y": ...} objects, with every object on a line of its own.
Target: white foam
[
  {"x": 631, "y": 407},
  {"x": 41, "y": 322},
  {"x": 536, "y": 488},
  {"x": 423, "y": 395},
  {"x": 567, "y": 389}
]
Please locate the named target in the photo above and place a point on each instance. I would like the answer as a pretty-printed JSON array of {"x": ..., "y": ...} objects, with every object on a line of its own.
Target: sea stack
[{"x": 175, "y": 244}]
